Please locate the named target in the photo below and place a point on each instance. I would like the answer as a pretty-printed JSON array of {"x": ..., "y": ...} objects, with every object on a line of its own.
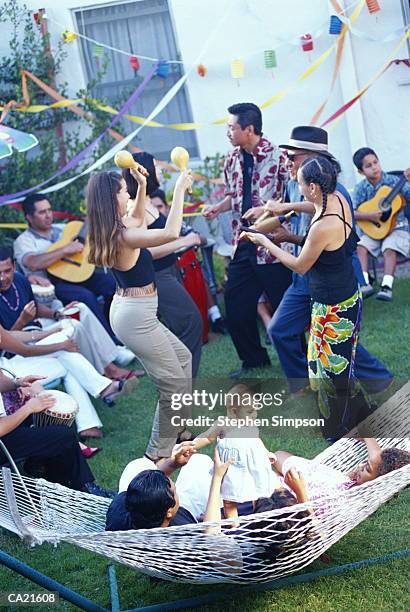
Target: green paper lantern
[
  {"x": 98, "y": 51},
  {"x": 270, "y": 59}
]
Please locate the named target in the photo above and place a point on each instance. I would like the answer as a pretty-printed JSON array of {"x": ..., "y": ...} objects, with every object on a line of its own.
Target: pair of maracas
[{"x": 179, "y": 157}]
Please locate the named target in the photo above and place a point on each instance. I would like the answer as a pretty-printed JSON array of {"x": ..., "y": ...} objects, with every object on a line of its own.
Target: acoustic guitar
[
  {"x": 72, "y": 268},
  {"x": 388, "y": 201}
]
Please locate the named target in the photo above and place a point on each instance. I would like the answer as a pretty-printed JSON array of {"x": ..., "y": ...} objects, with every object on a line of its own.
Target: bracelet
[{"x": 56, "y": 315}]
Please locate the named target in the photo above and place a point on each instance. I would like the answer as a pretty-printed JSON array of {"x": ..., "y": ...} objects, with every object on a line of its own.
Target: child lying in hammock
[
  {"x": 322, "y": 480},
  {"x": 250, "y": 476}
]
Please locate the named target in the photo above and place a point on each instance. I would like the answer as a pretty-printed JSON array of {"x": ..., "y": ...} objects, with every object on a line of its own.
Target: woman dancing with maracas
[
  {"x": 119, "y": 239},
  {"x": 175, "y": 306}
]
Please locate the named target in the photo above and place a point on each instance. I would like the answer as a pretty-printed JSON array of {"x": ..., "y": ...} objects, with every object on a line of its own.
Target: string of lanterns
[{"x": 237, "y": 65}]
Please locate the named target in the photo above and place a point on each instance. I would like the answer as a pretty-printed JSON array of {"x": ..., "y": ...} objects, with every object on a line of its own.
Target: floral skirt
[{"x": 334, "y": 333}]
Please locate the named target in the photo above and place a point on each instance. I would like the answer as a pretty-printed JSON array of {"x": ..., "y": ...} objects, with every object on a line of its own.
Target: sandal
[
  {"x": 125, "y": 387},
  {"x": 90, "y": 451},
  {"x": 132, "y": 374}
]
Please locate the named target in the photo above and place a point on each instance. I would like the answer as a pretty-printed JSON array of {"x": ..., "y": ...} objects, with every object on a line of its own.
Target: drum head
[{"x": 65, "y": 406}]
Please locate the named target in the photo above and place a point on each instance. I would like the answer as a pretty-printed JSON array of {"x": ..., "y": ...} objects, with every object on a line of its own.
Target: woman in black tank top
[
  {"x": 120, "y": 240},
  {"x": 336, "y": 300},
  {"x": 176, "y": 308}
]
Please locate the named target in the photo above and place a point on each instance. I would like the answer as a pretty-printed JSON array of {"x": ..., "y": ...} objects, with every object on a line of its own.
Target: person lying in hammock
[{"x": 322, "y": 480}]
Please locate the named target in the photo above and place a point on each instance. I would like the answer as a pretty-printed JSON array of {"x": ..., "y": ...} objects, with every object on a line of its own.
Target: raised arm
[
  {"x": 213, "y": 508},
  {"x": 136, "y": 213},
  {"x": 144, "y": 238}
]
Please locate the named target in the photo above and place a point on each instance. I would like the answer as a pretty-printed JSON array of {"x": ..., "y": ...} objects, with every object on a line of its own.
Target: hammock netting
[{"x": 265, "y": 546}]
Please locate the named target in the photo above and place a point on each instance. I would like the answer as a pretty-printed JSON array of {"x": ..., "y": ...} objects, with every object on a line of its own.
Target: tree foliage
[{"x": 28, "y": 50}]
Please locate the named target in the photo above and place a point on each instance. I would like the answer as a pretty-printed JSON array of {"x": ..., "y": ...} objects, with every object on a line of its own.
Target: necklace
[{"x": 16, "y": 295}]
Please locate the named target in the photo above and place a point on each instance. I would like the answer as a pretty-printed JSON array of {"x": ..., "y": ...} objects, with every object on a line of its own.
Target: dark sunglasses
[{"x": 293, "y": 156}]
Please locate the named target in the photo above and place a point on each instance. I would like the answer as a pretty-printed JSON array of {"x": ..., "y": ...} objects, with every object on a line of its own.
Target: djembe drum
[{"x": 63, "y": 412}]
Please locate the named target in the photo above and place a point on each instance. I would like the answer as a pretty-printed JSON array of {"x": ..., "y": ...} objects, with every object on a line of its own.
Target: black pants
[
  {"x": 179, "y": 312},
  {"x": 246, "y": 282},
  {"x": 58, "y": 445}
]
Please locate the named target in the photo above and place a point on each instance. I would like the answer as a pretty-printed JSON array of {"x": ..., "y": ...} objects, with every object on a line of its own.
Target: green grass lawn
[{"x": 385, "y": 332}]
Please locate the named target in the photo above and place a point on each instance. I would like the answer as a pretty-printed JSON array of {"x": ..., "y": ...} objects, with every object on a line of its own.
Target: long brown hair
[{"x": 103, "y": 218}]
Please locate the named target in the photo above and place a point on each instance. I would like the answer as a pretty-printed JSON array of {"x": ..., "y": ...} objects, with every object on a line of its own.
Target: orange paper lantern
[
  {"x": 202, "y": 70},
  {"x": 373, "y": 6}
]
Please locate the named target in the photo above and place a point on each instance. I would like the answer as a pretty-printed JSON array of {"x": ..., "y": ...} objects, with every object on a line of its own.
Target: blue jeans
[{"x": 286, "y": 330}]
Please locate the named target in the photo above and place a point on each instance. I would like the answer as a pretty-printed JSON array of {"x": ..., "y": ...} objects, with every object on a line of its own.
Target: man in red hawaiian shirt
[{"x": 254, "y": 173}]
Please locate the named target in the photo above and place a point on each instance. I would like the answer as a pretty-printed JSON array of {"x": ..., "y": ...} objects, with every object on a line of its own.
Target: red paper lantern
[
  {"x": 134, "y": 63},
  {"x": 307, "y": 42},
  {"x": 202, "y": 70},
  {"x": 373, "y": 6}
]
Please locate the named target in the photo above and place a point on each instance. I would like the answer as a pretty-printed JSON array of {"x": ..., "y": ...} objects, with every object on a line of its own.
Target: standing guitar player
[
  {"x": 398, "y": 241},
  {"x": 30, "y": 250}
]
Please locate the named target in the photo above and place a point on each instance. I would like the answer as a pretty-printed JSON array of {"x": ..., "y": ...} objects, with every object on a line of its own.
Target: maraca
[
  {"x": 180, "y": 157},
  {"x": 124, "y": 159}
]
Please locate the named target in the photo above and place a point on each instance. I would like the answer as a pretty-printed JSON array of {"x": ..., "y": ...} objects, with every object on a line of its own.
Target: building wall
[{"x": 380, "y": 120}]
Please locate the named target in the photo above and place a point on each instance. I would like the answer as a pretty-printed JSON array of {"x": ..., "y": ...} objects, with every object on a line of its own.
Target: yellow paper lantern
[
  {"x": 69, "y": 37},
  {"x": 237, "y": 69}
]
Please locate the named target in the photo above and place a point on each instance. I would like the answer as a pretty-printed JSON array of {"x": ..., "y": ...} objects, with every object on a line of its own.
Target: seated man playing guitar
[
  {"x": 32, "y": 253},
  {"x": 384, "y": 223}
]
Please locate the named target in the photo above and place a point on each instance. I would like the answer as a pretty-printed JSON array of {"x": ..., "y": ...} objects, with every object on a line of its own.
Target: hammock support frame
[{"x": 85, "y": 604}]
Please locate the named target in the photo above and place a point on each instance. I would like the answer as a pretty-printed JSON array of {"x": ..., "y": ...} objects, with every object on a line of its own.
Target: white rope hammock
[{"x": 266, "y": 546}]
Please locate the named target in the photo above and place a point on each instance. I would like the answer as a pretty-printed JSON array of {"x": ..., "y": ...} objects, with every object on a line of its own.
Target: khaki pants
[{"x": 165, "y": 358}]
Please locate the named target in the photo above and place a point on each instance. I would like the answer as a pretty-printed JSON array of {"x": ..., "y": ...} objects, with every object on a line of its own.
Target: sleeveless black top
[
  {"x": 169, "y": 260},
  {"x": 331, "y": 278},
  {"x": 141, "y": 274}
]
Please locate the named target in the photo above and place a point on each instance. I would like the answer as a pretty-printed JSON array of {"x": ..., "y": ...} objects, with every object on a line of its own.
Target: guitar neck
[{"x": 396, "y": 189}]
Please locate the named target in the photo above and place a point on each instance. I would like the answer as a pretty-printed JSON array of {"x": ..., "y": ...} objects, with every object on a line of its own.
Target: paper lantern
[
  {"x": 38, "y": 17},
  {"x": 373, "y": 6},
  {"x": 270, "y": 58},
  {"x": 134, "y": 63},
  {"x": 98, "y": 51},
  {"x": 162, "y": 70},
  {"x": 335, "y": 26},
  {"x": 69, "y": 37},
  {"x": 307, "y": 42},
  {"x": 237, "y": 69},
  {"x": 202, "y": 70}
]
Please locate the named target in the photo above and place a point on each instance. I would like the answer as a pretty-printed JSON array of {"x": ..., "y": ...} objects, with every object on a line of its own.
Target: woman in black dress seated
[{"x": 56, "y": 445}]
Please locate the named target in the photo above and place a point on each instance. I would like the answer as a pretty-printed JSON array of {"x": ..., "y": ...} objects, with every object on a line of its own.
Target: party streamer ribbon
[
  {"x": 339, "y": 54},
  {"x": 347, "y": 105},
  {"x": 126, "y": 140},
  {"x": 83, "y": 154}
]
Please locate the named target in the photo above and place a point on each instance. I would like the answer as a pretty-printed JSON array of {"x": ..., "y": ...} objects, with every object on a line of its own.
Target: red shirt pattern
[{"x": 268, "y": 180}]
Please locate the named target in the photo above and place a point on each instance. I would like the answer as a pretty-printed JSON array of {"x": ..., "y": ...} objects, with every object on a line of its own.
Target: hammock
[{"x": 265, "y": 546}]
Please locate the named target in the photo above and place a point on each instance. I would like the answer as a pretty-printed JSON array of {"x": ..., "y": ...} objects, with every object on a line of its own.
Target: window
[{"x": 144, "y": 27}]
